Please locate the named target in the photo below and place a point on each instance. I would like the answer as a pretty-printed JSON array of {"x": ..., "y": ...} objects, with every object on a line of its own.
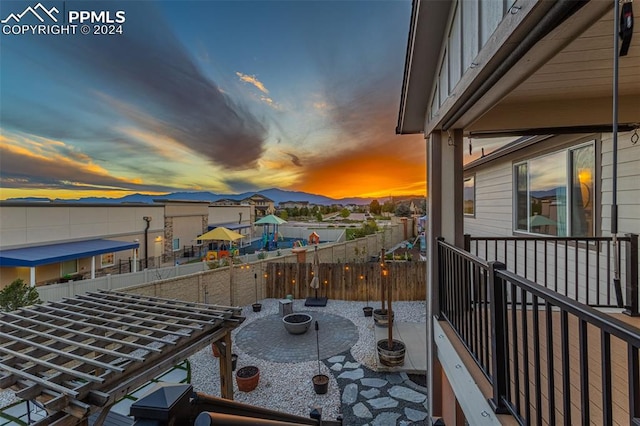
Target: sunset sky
[{"x": 214, "y": 96}]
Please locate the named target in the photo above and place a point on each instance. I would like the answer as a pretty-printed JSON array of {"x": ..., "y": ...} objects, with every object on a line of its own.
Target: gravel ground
[{"x": 287, "y": 387}]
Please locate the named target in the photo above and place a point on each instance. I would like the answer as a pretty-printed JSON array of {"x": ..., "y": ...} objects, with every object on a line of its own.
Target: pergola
[{"x": 79, "y": 356}]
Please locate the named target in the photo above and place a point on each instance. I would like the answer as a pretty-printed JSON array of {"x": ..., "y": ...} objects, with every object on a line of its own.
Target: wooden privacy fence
[{"x": 346, "y": 281}]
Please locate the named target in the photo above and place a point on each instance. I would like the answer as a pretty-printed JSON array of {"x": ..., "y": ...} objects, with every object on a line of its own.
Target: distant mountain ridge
[{"x": 277, "y": 195}]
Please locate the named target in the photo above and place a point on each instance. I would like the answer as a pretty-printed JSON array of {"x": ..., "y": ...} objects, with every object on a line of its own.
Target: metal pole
[{"x": 614, "y": 196}]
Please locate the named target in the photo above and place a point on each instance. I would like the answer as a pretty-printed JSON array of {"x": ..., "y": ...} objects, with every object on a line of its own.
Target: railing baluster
[
  {"x": 486, "y": 313},
  {"x": 525, "y": 354},
  {"x": 631, "y": 274},
  {"x": 586, "y": 267},
  {"x": 607, "y": 414},
  {"x": 576, "y": 276},
  {"x": 514, "y": 337},
  {"x": 566, "y": 269},
  {"x": 498, "y": 338},
  {"x": 536, "y": 361},
  {"x": 584, "y": 372},
  {"x": 566, "y": 372},
  {"x": 609, "y": 280},
  {"x": 598, "y": 247},
  {"x": 551, "y": 390}
]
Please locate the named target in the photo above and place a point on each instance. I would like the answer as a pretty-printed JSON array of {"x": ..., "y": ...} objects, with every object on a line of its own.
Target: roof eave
[{"x": 426, "y": 33}]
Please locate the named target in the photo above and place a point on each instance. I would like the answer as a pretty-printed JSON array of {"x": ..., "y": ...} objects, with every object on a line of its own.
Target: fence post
[
  {"x": 498, "y": 338},
  {"x": 631, "y": 260}
]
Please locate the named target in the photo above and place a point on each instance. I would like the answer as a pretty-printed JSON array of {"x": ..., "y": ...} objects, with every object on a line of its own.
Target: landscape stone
[
  {"x": 371, "y": 393},
  {"x": 350, "y": 393},
  {"x": 337, "y": 358},
  {"x": 407, "y": 394},
  {"x": 361, "y": 411},
  {"x": 394, "y": 379},
  {"x": 336, "y": 367},
  {"x": 415, "y": 415},
  {"x": 384, "y": 402},
  {"x": 385, "y": 419},
  {"x": 351, "y": 365},
  {"x": 374, "y": 383},
  {"x": 352, "y": 374}
]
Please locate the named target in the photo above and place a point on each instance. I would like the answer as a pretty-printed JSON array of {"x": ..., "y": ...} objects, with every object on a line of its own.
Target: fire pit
[{"x": 297, "y": 323}]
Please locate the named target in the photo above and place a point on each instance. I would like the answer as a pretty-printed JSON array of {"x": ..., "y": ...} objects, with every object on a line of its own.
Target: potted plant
[
  {"x": 320, "y": 381},
  {"x": 247, "y": 378},
  {"x": 390, "y": 351},
  {"x": 256, "y": 306}
]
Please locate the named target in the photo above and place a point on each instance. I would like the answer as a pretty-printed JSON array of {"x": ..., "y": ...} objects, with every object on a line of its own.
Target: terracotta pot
[
  {"x": 247, "y": 378},
  {"x": 320, "y": 383}
]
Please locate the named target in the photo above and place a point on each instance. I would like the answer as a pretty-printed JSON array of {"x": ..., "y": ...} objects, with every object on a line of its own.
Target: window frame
[
  {"x": 102, "y": 259},
  {"x": 62, "y": 271},
  {"x": 175, "y": 242},
  {"x": 464, "y": 180},
  {"x": 567, "y": 150}
]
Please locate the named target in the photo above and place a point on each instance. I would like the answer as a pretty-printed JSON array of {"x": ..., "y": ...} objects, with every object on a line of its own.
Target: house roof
[
  {"x": 547, "y": 68},
  {"x": 53, "y": 253}
]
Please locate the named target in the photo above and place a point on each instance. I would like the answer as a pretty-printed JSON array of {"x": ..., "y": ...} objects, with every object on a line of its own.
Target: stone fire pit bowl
[{"x": 297, "y": 323}]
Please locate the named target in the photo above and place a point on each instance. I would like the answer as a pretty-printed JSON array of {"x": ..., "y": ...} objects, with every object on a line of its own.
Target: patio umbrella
[
  {"x": 315, "y": 283},
  {"x": 540, "y": 220},
  {"x": 221, "y": 233}
]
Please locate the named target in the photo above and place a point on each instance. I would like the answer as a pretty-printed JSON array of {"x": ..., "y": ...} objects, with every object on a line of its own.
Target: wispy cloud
[
  {"x": 253, "y": 80},
  {"x": 24, "y": 165}
]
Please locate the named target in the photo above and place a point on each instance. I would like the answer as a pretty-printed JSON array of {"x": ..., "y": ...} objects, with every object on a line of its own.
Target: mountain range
[{"x": 277, "y": 195}]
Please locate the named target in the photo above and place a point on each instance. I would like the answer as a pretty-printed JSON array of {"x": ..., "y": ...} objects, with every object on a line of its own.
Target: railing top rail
[
  {"x": 548, "y": 238},
  {"x": 474, "y": 259},
  {"x": 612, "y": 325}
]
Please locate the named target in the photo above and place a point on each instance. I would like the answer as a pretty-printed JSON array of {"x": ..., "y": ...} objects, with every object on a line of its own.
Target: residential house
[
  {"x": 293, "y": 204},
  {"x": 552, "y": 216},
  {"x": 263, "y": 206}
]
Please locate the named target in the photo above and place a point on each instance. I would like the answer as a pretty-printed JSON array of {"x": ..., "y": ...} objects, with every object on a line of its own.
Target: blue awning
[
  {"x": 53, "y": 253},
  {"x": 232, "y": 226}
]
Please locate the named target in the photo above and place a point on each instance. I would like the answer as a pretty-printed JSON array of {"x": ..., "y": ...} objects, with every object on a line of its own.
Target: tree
[
  {"x": 345, "y": 213},
  {"x": 284, "y": 215},
  {"x": 403, "y": 210},
  {"x": 388, "y": 206},
  {"x": 375, "y": 207},
  {"x": 319, "y": 217},
  {"x": 18, "y": 294}
]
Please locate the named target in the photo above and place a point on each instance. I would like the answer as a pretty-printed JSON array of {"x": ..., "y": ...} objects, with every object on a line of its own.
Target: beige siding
[{"x": 493, "y": 202}]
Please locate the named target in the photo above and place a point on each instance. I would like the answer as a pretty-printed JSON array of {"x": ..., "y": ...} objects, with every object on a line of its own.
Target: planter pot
[
  {"x": 320, "y": 383},
  {"x": 391, "y": 357},
  {"x": 257, "y": 307},
  {"x": 289, "y": 297},
  {"x": 297, "y": 323},
  {"x": 368, "y": 311},
  {"x": 247, "y": 378},
  {"x": 381, "y": 317}
]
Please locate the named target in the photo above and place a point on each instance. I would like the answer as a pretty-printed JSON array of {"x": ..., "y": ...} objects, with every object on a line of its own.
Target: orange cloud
[
  {"x": 253, "y": 80},
  {"x": 396, "y": 166}
]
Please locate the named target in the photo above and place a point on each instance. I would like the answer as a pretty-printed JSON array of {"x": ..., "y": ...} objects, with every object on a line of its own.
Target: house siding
[{"x": 493, "y": 217}]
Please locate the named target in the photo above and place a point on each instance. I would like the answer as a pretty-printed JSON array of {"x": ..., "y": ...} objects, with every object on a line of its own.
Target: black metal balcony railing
[
  {"x": 583, "y": 269},
  {"x": 549, "y": 358}
]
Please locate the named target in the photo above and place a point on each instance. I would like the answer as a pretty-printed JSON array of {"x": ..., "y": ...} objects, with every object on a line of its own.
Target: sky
[{"x": 220, "y": 96}]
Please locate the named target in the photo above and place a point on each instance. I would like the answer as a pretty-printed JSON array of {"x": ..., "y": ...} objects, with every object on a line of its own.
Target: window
[
  {"x": 554, "y": 193},
  {"x": 469, "y": 196},
  {"x": 176, "y": 244},
  {"x": 107, "y": 259},
  {"x": 69, "y": 267}
]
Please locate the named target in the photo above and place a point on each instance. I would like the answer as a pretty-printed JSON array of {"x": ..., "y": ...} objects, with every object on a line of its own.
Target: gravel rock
[{"x": 287, "y": 387}]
